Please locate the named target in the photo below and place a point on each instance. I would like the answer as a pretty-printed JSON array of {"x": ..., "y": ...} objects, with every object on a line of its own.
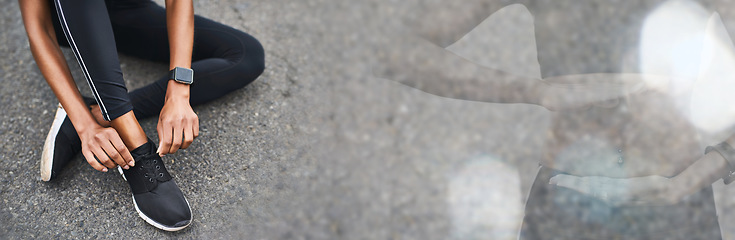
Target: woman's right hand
[{"x": 103, "y": 148}]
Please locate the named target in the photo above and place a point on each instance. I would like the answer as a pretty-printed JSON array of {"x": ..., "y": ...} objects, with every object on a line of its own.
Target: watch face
[{"x": 184, "y": 75}]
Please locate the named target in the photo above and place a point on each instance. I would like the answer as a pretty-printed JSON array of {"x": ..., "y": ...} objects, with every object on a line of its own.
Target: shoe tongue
[{"x": 144, "y": 149}]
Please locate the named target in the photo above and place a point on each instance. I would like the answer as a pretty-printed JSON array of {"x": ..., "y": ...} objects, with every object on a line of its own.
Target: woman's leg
[
  {"x": 224, "y": 59},
  {"x": 157, "y": 198},
  {"x": 89, "y": 34}
]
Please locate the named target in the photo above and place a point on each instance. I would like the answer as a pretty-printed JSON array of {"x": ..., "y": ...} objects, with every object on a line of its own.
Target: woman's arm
[
  {"x": 180, "y": 25},
  {"x": 177, "y": 121},
  {"x": 53, "y": 66},
  {"x": 51, "y": 61},
  {"x": 651, "y": 190},
  {"x": 418, "y": 63}
]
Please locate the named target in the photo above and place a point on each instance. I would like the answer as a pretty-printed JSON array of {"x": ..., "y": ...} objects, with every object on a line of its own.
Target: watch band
[
  {"x": 728, "y": 153},
  {"x": 182, "y": 75}
]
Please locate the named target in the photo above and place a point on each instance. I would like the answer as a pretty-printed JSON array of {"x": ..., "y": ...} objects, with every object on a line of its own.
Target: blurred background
[{"x": 317, "y": 147}]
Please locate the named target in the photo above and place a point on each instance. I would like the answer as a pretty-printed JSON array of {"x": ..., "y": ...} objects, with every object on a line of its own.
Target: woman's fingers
[
  {"x": 113, "y": 146},
  {"x": 102, "y": 157},
  {"x": 179, "y": 135},
  {"x": 114, "y": 154},
  {"x": 177, "y": 130},
  {"x": 188, "y": 135},
  {"x": 567, "y": 181},
  {"x": 89, "y": 156},
  {"x": 127, "y": 158},
  {"x": 178, "y": 125},
  {"x": 159, "y": 130},
  {"x": 103, "y": 148},
  {"x": 165, "y": 135},
  {"x": 195, "y": 126}
]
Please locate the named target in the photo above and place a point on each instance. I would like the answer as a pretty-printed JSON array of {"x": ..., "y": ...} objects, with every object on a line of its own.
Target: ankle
[
  {"x": 135, "y": 143},
  {"x": 129, "y": 130}
]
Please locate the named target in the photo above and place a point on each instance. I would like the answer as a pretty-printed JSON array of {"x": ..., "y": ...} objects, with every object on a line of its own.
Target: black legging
[{"x": 224, "y": 59}]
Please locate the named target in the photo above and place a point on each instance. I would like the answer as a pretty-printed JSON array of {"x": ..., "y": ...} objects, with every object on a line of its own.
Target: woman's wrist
[
  {"x": 709, "y": 168},
  {"x": 86, "y": 125},
  {"x": 177, "y": 91},
  {"x": 81, "y": 118},
  {"x": 726, "y": 153}
]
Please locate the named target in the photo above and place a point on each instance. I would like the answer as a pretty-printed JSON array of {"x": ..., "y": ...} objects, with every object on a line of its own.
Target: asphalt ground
[{"x": 316, "y": 148}]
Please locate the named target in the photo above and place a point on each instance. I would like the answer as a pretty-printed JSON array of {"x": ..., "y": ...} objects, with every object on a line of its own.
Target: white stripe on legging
[{"x": 73, "y": 45}]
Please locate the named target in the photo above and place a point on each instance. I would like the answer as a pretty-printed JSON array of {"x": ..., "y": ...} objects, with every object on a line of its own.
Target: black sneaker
[
  {"x": 155, "y": 195},
  {"x": 62, "y": 144}
]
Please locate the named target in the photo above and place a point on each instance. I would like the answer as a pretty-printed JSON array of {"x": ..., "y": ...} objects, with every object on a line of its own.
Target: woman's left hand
[
  {"x": 650, "y": 190},
  {"x": 178, "y": 125}
]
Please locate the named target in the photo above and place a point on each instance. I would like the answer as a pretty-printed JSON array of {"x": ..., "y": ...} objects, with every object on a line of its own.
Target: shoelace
[{"x": 150, "y": 168}]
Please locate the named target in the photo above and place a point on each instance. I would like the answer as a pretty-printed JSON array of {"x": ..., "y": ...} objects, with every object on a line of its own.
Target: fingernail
[
  {"x": 126, "y": 167},
  {"x": 104, "y": 170},
  {"x": 552, "y": 181},
  {"x": 132, "y": 163}
]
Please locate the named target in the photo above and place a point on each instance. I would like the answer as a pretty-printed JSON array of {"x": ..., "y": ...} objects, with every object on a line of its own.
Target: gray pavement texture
[{"x": 314, "y": 149}]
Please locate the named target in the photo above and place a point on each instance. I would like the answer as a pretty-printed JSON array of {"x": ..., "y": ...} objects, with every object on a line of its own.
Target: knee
[
  {"x": 252, "y": 62},
  {"x": 253, "y": 66},
  {"x": 246, "y": 72},
  {"x": 254, "y": 56}
]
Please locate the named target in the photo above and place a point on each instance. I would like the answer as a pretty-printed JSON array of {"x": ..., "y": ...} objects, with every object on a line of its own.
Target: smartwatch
[
  {"x": 727, "y": 152},
  {"x": 182, "y": 75}
]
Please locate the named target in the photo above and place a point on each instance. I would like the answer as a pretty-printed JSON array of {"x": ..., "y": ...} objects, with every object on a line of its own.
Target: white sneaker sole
[
  {"x": 151, "y": 221},
  {"x": 47, "y": 156}
]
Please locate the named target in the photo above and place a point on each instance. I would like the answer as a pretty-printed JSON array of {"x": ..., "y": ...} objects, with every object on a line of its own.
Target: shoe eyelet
[
  {"x": 146, "y": 175},
  {"x": 155, "y": 161},
  {"x": 160, "y": 174},
  {"x": 150, "y": 179},
  {"x": 158, "y": 167}
]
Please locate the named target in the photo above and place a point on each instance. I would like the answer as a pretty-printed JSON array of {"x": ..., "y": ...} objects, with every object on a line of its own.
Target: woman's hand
[
  {"x": 178, "y": 125},
  {"x": 103, "y": 148},
  {"x": 650, "y": 190}
]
